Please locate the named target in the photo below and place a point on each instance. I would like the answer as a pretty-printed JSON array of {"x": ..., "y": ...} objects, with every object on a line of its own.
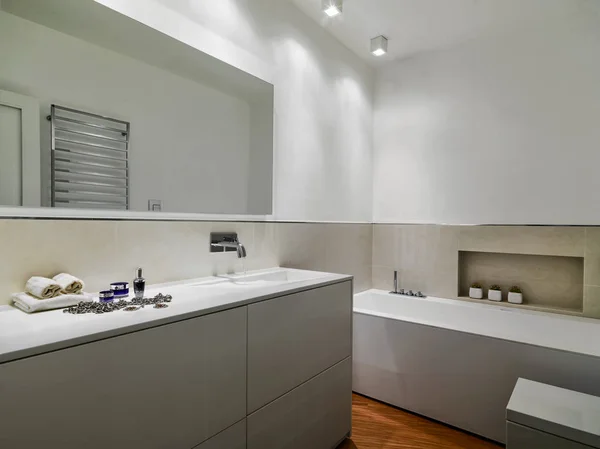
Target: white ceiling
[{"x": 415, "y": 26}]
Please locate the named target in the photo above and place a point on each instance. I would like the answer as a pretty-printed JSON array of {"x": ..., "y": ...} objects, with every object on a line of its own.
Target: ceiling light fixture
[
  {"x": 333, "y": 7},
  {"x": 379, "y": 45}
]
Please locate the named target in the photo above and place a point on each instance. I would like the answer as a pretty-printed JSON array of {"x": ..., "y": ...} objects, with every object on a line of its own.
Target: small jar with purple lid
[
  {"x": 120, "y": 289},
  {"x": 106, "y": 296}
]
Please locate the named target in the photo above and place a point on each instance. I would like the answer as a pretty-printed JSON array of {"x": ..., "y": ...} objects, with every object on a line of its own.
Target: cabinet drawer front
[
  {"x": 232, "y": 438},
  {"x": 294, "y": 338},
  {"x": 521, "y": 437},
  {"x": 316, "y": 415},
  {"x": 172, "y": 387}
]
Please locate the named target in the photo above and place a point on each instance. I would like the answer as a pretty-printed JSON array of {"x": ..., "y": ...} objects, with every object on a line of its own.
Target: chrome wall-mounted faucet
[
  {"x": 402, "y": 292},
  {"x": 221, "y": 242}
]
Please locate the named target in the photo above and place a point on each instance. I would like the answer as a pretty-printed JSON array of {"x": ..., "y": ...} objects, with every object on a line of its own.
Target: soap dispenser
[{"x": 139, "y": 284}]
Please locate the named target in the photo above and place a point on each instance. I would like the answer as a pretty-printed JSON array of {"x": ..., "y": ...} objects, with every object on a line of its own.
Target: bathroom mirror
[{"x": 99, "y": 111}]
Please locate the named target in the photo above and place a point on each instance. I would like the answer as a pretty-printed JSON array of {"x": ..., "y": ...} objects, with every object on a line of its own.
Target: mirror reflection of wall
[
  {"x": 197, "y": 145},
  {"x": 19, "y": 150}
]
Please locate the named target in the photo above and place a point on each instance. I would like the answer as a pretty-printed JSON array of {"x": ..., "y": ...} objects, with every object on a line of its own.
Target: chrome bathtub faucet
[{"x": 402, "y": 292}]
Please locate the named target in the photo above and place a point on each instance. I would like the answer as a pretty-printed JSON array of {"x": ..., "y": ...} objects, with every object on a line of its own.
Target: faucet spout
[
  {"x": 241, "y": 251},
  {"x": 221, "y": 242}
]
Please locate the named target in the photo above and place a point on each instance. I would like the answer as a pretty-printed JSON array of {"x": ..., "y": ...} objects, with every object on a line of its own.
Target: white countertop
[
  {"x": 24, "y": 335},
  {"x": 564, "y": 413}
]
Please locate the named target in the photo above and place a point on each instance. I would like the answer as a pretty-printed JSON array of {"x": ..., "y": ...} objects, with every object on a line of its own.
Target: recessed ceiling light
[
  {"x": 379, "y": 45},
  {"x": 332, "y": 11},
  {"x": 332, "y": 7}
]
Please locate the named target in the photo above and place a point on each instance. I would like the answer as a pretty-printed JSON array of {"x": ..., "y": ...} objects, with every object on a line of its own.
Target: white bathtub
[{"x": 458, "y": 362}]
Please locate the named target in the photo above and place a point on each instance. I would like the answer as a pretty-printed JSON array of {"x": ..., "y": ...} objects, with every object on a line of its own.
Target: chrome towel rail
[
  {"x": 88, "y": 144},
  {"x": 86, "y": 154},
  {"x": 89, "y": 125},
  {"x": 90, "y": 164},
  {"x": 82, "y": 133},
  {"x": 91, "y": 183},
  {"x": 90, "y": 160}
]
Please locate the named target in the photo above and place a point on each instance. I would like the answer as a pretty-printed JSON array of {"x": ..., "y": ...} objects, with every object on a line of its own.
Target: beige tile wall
[
  {"x": 337, "y": 248},
  {"x": 426, "y": 256},
  {"x": 101, "y": 252}
]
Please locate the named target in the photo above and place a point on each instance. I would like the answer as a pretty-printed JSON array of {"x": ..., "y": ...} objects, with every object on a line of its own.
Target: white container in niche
[
  {"x": 495, "y": 293},
  {"x": 476, "y": 292},
  {"x": 515, "y": 295}
]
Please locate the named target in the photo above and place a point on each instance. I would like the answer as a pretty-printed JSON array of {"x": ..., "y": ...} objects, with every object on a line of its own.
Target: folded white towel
[
  {"x": 69, "y": 284},
  {"x": 42, "y": 288},
  {"x": 30, "y": 304}
]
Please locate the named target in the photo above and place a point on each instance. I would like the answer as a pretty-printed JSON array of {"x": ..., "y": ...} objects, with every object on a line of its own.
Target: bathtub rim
[{"x": 591, "y": 351}]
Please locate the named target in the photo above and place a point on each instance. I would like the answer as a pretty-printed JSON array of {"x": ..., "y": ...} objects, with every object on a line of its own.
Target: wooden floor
[{"x": 379, "y": 426}]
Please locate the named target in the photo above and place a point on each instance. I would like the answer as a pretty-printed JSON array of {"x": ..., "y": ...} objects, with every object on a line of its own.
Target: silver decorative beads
[{"x": 159, "y": 302}]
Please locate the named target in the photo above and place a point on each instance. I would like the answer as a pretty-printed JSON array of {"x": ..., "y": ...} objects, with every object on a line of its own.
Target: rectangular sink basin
[
  {"x": 279, "y": 275},
  {"x": 262, "y": 278},
  {"x": 215, "y": 282}
]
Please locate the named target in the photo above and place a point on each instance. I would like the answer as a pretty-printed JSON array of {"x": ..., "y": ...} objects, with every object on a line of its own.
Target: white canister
[
  {"x": 495, "y": 295},
  {"x": 515, "y": 298},
  {"x": 476, "y": 293}
]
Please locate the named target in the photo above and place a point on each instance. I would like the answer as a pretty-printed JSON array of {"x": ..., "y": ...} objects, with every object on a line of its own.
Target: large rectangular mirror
[{"x": 98, "y": 111}]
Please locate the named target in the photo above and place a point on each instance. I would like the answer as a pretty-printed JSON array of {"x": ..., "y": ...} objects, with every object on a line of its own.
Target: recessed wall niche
[{"x": 550, "y": 282}]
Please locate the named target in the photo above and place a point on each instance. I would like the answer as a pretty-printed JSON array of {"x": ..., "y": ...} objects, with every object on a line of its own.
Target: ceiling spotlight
[
  {"x": 379, "y": 45},
  {"x": 333, "y": 7}
]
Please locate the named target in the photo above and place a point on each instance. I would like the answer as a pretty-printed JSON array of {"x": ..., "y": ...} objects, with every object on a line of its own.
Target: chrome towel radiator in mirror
[{"x": 90, "y": 160}]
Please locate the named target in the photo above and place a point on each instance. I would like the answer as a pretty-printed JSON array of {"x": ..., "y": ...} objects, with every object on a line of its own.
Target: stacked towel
[
  {"x": 69, "y": 284},
  {"x": 42, "y": 288},
  {"x": 30, "y": 304}
]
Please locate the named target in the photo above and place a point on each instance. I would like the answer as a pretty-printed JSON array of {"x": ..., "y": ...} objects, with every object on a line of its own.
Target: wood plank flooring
[{"x": 379, "y": 426}]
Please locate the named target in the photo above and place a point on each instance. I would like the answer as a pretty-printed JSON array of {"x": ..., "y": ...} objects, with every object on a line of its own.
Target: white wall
[
  {"x": 183, "y": 150},
  {"x": 260, "y": 169},
  {"x": 323, "y": 104},
  {"x": 504, "y": 130},
  {"x": 11, "y": 179}
]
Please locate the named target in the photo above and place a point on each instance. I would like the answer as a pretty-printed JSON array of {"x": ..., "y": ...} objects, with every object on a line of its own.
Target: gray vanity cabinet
[
  {"x": 316, "y": 415},
  {"x": 275, "y": 374},
  {"x": 233, "y": 437},
  {"x": 172, "y": 387},
  {"x": 294, "y": 338}
]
